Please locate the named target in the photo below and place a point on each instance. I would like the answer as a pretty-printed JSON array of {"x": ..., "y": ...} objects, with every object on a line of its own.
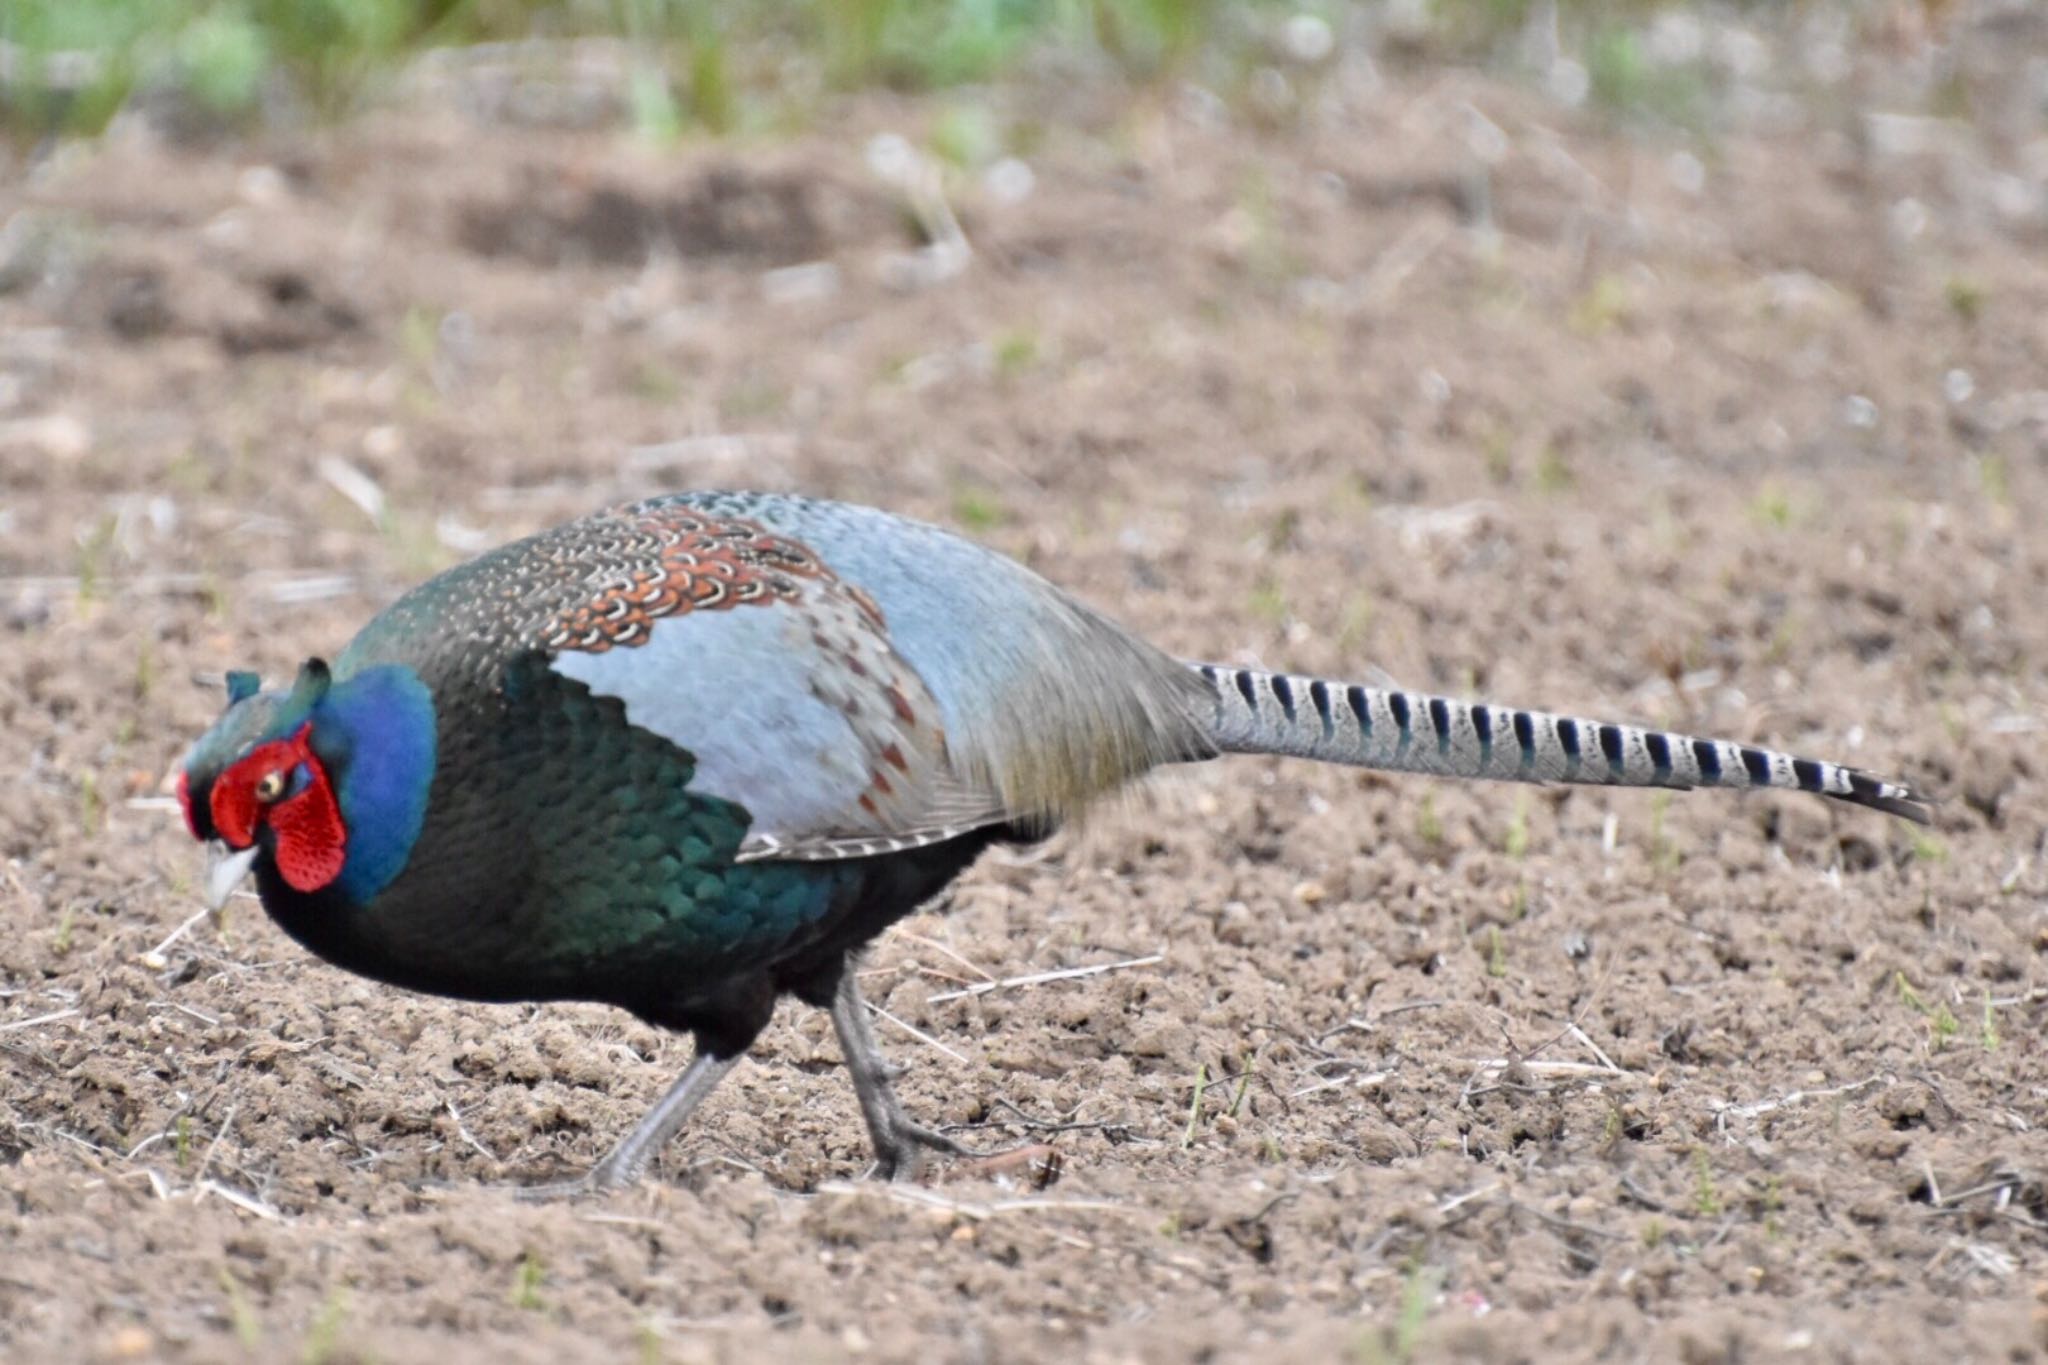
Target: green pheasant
[{"x": 691, "y": 755}]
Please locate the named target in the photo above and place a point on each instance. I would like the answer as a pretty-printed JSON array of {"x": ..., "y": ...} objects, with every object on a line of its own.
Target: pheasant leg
[
  {"x": 626, "y": 1163},
  {"x": 899, "y": 1141}
]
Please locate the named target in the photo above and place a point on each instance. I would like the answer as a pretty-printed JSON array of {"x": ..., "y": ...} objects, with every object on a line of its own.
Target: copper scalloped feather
[
  {"x": 668, "y": 559},
  {"x": 700, "y": 563}
]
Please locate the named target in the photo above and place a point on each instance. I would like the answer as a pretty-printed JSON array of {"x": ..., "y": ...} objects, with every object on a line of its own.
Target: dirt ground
[{"x": 1446, "y": 384}]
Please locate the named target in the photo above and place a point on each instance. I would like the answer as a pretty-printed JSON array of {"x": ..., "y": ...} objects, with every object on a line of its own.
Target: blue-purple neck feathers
[{"x": 376, "y": 730}]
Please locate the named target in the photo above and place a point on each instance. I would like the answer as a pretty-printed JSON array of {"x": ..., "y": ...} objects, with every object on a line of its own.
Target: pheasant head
[{"x": 321, "y": 788}]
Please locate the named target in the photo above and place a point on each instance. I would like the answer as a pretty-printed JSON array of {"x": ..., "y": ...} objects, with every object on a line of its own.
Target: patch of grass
[
  {"x": 1353, "y": 494},
  {"x": 1245, "y": 1071},
  {"x": 1783, "y": 637},
  {"x": 1604, "y": 306},
  {"x": 1516, "y": 842},
  {"x": 182, "y": 1141},
  {"x": 1942, "y": 1024},
  {"x": 977, "y": 509},
  {"x": 1927, "y": 848},
  {"x": 1706, "y": 1196},
  {"x": 714, "y": 94},
  {"x": 1429, "y": 826},
  {"x": 655, "y": 383},
  {"x": 1664, "y": 854},
  {"x": 527, "y": 1278},
  {"x": 1268, "y": 603},
  {"x": 1497, "y": 449},
  {"x": 1908, "y": 997},
  {"x": 419, "y": 336},
  {"x": 92, "y": 807},
  {"x": 1152, "y": 39},
  {"x": 67, "y": 924},
  {"x": 323, "y": 1333},
  {"x": 965, "y": 136},
  {"x": 1015, "y": 352},
  {"x": 1965, "y": 297},
  {"x": 144, "y": 679},
  {"x": 1772, "y": 507},
  {"x": 698, "y": 63},
  {"x": 1988, "y": 1035},
  {"x": 189, "y": 473},
  {"x": 214, "y": 593},
  {"x": 1995, "y": 478},
  {"x": 1624, "y": 80},
  {"x": 1553, "y": 471},
  {"x": 222, "y": 57},
  {"x": 242, "y": 1318},
  {"x": 754, "y": 398},
  {"x": 95, "y": 556},
  {"x": 1496, "y": 952},
  {"x": 1355, "y": 622},
  {"x": 1943, "y": 1027},
  {"x": 80, "y": 60},
  {"x": 1399, "y": 1342},
  {"x": 1952, "y": 722},
  {"x": 912, "y": 45},
  {"x": 1283, "y": 530},
  {"x": 1416, "y": 1296}
]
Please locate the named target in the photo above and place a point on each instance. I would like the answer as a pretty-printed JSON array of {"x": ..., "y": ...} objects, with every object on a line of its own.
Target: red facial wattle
[
  {"x": 185, "y": 804},
  {"x": 312, "y": 841}
]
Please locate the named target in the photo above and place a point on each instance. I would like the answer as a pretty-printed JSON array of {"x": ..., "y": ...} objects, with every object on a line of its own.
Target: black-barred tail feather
[{"x": 1368, "y": 727}]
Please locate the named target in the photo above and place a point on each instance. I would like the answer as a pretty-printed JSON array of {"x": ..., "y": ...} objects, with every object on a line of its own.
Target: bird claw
[
  {"x": 604, "y": 1178},
  {"x": 556, "y": 1191},
  {"x": 899, "y": 1151}
]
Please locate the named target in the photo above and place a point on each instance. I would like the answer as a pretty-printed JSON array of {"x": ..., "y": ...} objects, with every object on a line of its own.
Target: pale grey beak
[{"x": 226, "y": 873}]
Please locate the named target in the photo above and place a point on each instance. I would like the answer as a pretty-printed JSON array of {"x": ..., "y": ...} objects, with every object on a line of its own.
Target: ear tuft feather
[
  {"x": 312, "y": 684},
  {"x": 243, "y": 685}
]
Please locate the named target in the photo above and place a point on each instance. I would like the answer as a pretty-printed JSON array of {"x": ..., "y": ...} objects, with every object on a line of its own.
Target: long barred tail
[{"x": 1368, "y": 727}]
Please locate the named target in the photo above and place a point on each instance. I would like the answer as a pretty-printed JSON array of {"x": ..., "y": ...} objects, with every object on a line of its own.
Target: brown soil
[{"x": 1534, "y": 1074}]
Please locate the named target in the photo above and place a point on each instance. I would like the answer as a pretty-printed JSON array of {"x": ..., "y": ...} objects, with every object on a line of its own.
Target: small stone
[
  {"x": 262, "y": 186},
  {"x": 382, "y": 442},
  {"x": 805, "y": 283},
  {"x": 1307, "y": 38},
  {"x": 58, "y": 435},
  {"x": 131, "y": 1343},
  {"x": 1687, "y": 172},
  {"x": 1009, "y": 181}
]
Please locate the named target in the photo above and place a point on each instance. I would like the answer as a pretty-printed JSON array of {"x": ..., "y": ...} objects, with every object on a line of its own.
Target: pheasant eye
[{"x": 271, "y": 787}]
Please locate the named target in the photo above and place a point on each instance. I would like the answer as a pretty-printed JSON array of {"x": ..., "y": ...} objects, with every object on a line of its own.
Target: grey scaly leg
[
  {"x": 899, "y": 1141},
  {"x": 627, "y": 1162}
]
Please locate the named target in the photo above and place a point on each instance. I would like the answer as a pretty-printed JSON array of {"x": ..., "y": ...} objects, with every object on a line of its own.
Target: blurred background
[{"x": 1680, "y": 362}]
